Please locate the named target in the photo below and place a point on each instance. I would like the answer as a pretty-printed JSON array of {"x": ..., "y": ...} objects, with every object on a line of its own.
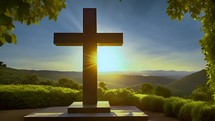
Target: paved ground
[{"x": 17, "y": 115}]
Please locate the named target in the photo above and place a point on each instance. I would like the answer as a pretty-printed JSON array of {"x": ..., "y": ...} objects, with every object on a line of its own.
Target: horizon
[
  {"x": 106, "y": 71},
  {"x": 152, "y": 41}
]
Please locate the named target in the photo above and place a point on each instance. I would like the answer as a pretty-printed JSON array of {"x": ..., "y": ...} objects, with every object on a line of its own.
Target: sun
[{"x": 109, "y": 59}]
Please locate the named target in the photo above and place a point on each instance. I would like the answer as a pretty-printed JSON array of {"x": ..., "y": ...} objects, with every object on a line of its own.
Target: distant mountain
[
  {"x": 113, "y": 80},
  {"x": 124, "y": 80},
  {"x": 56, "y": 75},
  {"x": 171, "y": 73},
  {"x": 186, "y": 84},
  {"x": 180, "y": 87}
]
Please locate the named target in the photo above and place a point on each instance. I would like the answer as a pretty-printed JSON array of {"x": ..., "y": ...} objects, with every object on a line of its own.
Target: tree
[
  {"x": 25, "y": 11},
  {"x": 204, "y": 11},
  {"x": 103, "y": 85},
  {"x": 146, "y": 89},
  {"x": 64, "y": 82},
  {"x": 33, "y": 79},
  {"x": 2, "y": 64},
  {"x": 162, "y": 91},
  {"x": 202, "y": 93}
]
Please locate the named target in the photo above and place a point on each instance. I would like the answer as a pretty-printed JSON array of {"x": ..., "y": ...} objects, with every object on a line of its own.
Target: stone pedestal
[
  {"x": 117, "y": 113},
  {"x": 100, "y": 107}
]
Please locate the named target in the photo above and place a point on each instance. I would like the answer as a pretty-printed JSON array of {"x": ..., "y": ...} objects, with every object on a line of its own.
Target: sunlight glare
[{"x": 109, "y": 59}]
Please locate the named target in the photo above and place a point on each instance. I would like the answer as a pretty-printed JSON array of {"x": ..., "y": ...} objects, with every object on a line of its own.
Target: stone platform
[
  {"x": 100, "y": 107},
  {"x": 117, "y": 113}
]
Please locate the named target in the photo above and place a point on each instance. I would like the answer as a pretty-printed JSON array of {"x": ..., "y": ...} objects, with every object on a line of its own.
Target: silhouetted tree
[
  {"x": 103, "y": 85},
  {"x": 64, "y": 82},
  {"x": 33, "y": 79},
  {"x": 2, "y": 64},
  {"x": 48, "y": 82},
  {"x": 162, "y": 91},
  {"x": 146, "y": 89}
]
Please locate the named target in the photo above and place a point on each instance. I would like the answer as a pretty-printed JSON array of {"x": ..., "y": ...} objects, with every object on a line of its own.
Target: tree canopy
[
  {"x": 204, "y": 11},
  {"x": 146, "y": 89},
  {"x": 25, "y": 11}
]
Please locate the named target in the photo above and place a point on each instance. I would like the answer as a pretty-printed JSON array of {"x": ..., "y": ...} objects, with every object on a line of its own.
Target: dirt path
[{"x": 17, "y": 115}]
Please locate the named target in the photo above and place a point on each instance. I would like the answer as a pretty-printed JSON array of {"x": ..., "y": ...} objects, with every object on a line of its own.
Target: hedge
[{"x": 35, "y": 96}]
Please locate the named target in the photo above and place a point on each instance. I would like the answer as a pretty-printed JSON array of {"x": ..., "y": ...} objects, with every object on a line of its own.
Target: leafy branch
[{"x": 25, "y": 11}]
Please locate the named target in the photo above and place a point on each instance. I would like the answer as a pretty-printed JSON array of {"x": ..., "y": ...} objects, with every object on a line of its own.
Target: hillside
[
  {"x": 113, "y": 80},
  {"x": 187, "y": 84},
  {"x": 123, "y": 80},
  {"x": 166, "y": 73}
]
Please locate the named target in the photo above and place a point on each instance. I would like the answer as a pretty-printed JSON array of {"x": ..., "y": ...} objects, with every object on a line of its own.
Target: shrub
[
  {"x": 146, "y": 89},
  {"x": 177, "y": 105},
  {"x": 185, "y": 113},
  {"x": 168, "y": 106},
  {"x": 152, "y": 103},
  {"x": 64, "y": 82},
  {"x": 119, "y": 96},
  {"x": 162, "y": 91},
  {"x": 204, "y": 112},
  {"x": 168, "y": 109},
  {"x": 34, "y": 96},
  {"x": 100, "y": 93},
  {"x": 202, "y": 93}
]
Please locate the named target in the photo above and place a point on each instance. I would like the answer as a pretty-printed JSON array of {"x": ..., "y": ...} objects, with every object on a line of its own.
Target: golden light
[{"x": 109, "y": 59}]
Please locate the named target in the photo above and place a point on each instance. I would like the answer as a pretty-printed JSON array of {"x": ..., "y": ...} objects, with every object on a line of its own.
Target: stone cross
[{"x": 89, "y": 39}]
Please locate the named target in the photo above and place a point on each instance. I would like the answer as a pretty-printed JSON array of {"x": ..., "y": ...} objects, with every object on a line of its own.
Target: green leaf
[
  {"x": 13, "y": 36},
  {"x": 2, "y": 41},
  {"x": 8, "y": 38}
]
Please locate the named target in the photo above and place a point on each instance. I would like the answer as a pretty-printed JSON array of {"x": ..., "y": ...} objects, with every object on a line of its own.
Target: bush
[
  {"x": 119, "y": 96},
  {"x": 177, "y": 105},
  {"x": 146, "y": 89},
  {"x": 100, "y": 93},
  {"x": 172, "y": 105},
  {"x": 162, "y": 91},
  {"x": 34, "y": 96},
  {"x": 64, "y": 82},
  {"x": 204, "y": 112},
  {"x": 152, "y": 103},
  {"x": 186, "y": 110},
  {"x": 202, "y": 93},
  {"x": 168, "y": 108}
]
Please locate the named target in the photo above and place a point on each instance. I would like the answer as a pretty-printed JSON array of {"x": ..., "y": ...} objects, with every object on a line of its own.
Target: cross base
[
  {"x": 100, "y": 107},
  {"x": 117, "y": 113}
]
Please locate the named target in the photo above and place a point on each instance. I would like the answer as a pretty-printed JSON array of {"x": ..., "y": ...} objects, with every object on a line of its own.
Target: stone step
[
  {"x": 117, "y": 113},
  {"x": 100, "y": 107}
]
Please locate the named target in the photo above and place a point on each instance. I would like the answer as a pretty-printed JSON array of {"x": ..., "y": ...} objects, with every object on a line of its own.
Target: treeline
[
  {"x": 201, "y": 93},
  {"x": 155, "y": 90},
  {"x": 34, "y": 80}
]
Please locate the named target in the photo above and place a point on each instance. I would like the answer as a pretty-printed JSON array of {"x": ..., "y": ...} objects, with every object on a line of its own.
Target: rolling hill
[
  {"x": 186, "y": 84},
  {"x": 183, "y": 86},
  {"x": 113, "y": 80}
]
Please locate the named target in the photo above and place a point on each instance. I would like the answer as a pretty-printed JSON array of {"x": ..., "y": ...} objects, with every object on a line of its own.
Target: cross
[{"x": 89, "y": 39}]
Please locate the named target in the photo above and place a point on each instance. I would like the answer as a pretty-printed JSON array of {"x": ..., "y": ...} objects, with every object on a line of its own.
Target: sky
[{"x": 151, "y": 40}]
